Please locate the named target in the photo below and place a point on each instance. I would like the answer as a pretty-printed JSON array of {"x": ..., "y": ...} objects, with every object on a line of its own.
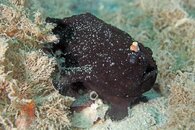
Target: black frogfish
[{"x": 101, "y": 58}]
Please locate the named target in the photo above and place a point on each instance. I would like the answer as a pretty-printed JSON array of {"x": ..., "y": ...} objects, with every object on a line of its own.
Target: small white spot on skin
[
  {"x": 120, "y": 49},
  {"x": 82, "y": 43},
  {"x": 112, "y": 64},
  {"x": 102, "y": 44},
  {"x": 84, "y": 48}
]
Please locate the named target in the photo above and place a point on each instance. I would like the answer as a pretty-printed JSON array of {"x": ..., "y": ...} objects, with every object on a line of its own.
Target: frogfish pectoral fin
[
  {"x": 117, "y": 112},
  {"x": 118, "y": 109}
]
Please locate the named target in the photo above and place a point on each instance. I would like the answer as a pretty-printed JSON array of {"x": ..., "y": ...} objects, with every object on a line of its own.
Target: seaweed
[{"x": 25, "y": 73}]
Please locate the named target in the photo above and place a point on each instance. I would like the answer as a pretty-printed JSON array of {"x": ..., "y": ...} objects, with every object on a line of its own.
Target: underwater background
[{"x": 28, "y": 99}]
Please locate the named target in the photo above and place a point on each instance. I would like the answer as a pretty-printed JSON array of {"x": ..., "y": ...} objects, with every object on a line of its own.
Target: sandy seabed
[{"x": 28, "y": 99}]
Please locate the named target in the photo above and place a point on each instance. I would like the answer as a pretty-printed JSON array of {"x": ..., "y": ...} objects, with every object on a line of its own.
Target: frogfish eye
[{"x": 133, "y": 58}]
